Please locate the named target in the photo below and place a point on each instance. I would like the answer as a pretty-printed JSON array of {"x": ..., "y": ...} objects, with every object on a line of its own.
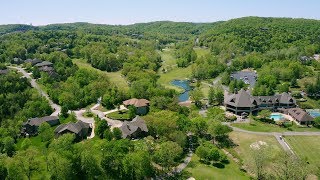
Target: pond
[{"x": 184, "y": 84}]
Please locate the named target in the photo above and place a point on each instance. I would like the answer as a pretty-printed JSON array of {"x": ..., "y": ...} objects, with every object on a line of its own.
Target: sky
[{"x": 42, "y": 12}]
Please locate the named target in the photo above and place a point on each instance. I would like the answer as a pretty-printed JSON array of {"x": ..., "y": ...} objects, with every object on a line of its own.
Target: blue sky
[{"x": 41, "y": 12}]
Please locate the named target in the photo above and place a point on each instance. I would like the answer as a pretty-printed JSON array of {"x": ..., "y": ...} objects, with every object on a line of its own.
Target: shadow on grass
[{"x": 218, "y": 165}]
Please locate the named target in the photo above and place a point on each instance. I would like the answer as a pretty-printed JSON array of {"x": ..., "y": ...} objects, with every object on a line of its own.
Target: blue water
[
  {"x": 314, "y": 113},
  {"x": 276, "y": 117},
  {"x": 185, "y": 85}
]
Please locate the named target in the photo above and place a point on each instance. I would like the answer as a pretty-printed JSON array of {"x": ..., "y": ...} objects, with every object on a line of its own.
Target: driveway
[{"x": 34, "y": 84}]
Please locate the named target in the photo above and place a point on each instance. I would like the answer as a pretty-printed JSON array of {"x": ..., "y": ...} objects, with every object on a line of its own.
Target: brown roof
[
  {"x": 136, "y": 102},
  {"x": 300, "y": 115}
]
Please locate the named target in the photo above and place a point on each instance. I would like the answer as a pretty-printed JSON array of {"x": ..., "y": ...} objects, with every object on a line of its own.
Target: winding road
[{"x": 34, "y": 84}]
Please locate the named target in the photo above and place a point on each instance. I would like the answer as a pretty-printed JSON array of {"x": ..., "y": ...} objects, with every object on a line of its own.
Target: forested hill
[
  {"x": 15, "y": 28},
  {"x": 263, "y": 34}
]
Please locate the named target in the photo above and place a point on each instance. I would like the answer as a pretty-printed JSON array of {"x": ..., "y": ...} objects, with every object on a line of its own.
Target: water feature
[
  {"x": 314, "y": 112},
  {"x": 276, "y": 116},
  {"x": 184, "y": 84}
]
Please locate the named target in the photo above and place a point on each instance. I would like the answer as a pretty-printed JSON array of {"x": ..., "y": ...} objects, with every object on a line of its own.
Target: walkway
[{"x": 34, "y": 84}]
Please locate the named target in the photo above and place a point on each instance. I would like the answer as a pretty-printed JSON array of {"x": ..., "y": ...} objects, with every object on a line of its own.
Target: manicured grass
[
  {"x": 177, "y": 73},
  {"x": 119, "y": 115},
  {"x": 199, "y": 170},
  {"x": 306, "y": 147},
  {"x": 257, "y": 126},
  {"x": 173, "y": 72},
  {"x": 243, "y": 149},
  {"x": 115, "y": 77}
]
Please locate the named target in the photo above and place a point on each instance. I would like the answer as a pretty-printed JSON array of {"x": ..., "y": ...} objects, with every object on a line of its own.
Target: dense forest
[{"x": 278, "y": 49}]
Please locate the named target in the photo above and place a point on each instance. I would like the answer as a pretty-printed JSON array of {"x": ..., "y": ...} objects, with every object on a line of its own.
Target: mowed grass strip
[
  {"x": 115, "y": 77},
  {"x": 202, "y": 171},
  {"x": 306, "y": 147}
]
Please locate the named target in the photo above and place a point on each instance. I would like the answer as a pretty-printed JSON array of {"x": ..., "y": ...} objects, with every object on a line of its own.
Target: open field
[
  {"x": 306, "y": 147},
  {"x": 115, "y": 77},
  {"x": 264, "y": 127},
  {"x": 202, "y": 171},
  {"x": 244, "y": 140},
  {"x": 173, "y": 72},
  {"x": 201, "y": 51}
]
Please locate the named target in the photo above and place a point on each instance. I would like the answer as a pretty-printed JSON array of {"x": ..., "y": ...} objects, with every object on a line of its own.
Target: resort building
[
  {"x": 299, "y": 115},
  {"x": 243, "y": 102}
]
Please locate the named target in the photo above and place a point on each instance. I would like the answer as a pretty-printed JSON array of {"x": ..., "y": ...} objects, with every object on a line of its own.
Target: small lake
[{"x": 184, "y": 84}]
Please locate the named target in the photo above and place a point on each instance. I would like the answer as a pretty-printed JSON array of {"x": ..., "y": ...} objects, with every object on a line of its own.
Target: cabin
[
  {"x": 31, "y": 126},
  {"x": 33, "y": 61},
  {"x": 44, "y": 64},
  {"x": 134, "y": 129},
  {"x": 141, "y": 105},
  {"x": 301, "y": 116},
  {"x": 79, "y": 129}
]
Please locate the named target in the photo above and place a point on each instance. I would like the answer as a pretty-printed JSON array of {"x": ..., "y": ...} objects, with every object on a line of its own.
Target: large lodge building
[{"x": 243, "y": 102}]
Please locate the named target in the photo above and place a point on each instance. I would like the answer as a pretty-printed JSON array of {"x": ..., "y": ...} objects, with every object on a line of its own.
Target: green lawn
[
  {"x": 119, "y": 115},
  {"x": 306, "y": 147},
  {"x": 264, "y": 127},
  {"x": 35, "y": 141},
  {"x": 202, "y": 171},
  {"x": 243, "y": 149},
  {"x": 115, "y": 77}
]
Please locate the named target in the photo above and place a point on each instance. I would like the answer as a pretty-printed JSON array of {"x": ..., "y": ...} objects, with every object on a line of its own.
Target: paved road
[
  {"x": 34, "y": 84},
  {"x": 216, "y": 82},
  {"x": 285, "y": 146}
]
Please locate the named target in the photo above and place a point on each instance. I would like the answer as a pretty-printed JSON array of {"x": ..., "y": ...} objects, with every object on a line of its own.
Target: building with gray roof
[
  {"x": 248, "y": 77},
  {"x": 80, "y": 129},
  {"x": 31, "y": 126},
  {"x": 244, "y": 102},
  {"x": 134, "y": 129}
]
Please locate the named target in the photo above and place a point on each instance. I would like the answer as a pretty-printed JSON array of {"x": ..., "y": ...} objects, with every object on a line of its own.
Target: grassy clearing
[
  {"x": 257, "y": 126},
  {"x": 173, "y": 72},
  {"x": 201, "y": 51},
  {"x": 202, "y": 171},
  {"x": 115, "y": 77},
  {"x": 306, "y": 147},
  {"x": 119, "y": 115},
  {"x": 244, "y": 140}
]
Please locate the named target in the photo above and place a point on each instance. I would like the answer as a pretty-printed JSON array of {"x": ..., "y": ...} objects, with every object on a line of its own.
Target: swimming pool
[
  {"x": 314, "y": 112},
  {"x": 276, "y": 116}
]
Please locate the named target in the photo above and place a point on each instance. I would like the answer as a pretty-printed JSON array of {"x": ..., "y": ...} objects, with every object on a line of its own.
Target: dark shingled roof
[
  {"x": 245, "y": 99},
  {"x": 4, "y": 71},
  {"x": 72, "y": 127},
  {"x": 300, "y": 115},
  {"x": 33, "y": 61},
  {"x": 130, "y": 127},
  {"x": 44, "y": 63},
  {"x": 39, "y": 121}
]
